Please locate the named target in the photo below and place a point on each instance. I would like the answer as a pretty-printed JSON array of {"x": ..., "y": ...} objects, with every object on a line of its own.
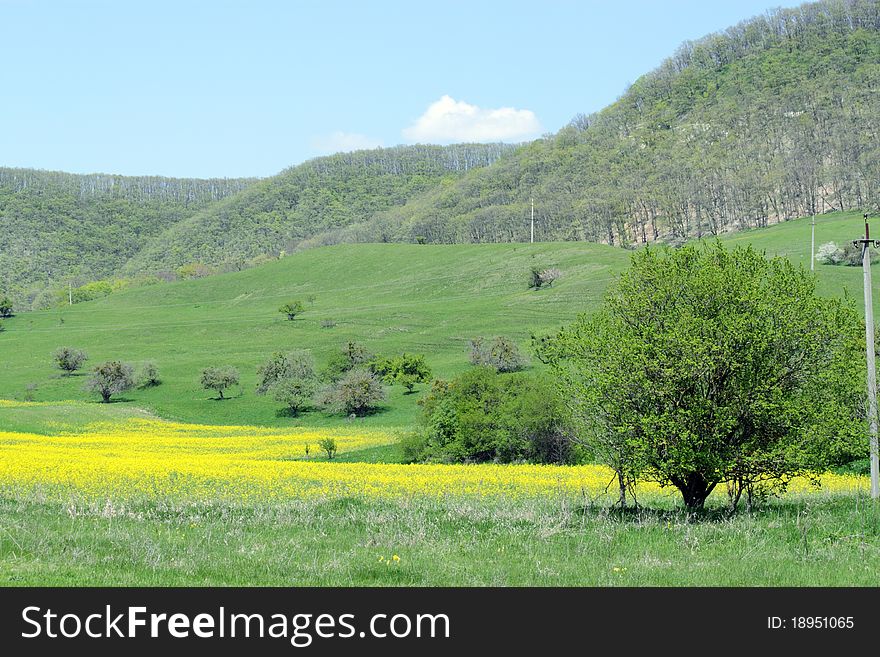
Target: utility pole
[
  {"x": 813, "y": 245},
  {"x": 532, "y": 241},
  {"x": 866, "y": 244}
]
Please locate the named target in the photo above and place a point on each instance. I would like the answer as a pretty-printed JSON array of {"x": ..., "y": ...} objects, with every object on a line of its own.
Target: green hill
[
  {"x": 58, "y": 227},
  {"x": 278, "y": 213},
  {"x": 428, "y": 299},
  {"x": 770, "y": 120},
  {"x": 391, "y": 297}
]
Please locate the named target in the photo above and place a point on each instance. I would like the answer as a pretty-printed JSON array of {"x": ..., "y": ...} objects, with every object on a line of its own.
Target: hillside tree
[{"x": 707, "y": 366}]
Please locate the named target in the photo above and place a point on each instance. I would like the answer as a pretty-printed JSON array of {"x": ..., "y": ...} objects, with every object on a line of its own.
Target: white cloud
[
  {"x": 342, "y": 142},
  {"x": 448, "y": 120}
]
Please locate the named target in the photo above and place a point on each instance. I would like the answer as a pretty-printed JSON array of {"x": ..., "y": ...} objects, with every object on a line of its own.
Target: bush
[
  {"x": 292, "y": 309},
  {"x": 219, "y": 378},
  {"x": 149, "y": 375},
  {"x": 406, "y": 370},
  {"x": 69, "y": 360},
  {"x": 829, "y": 253},
  {"x": 501, "y": 354},
  {"x": 485, "y": 416},
  {"x": 5, "y": 306},
  {"x": 329, "y": 446},
  {"x": 850, "y": 255},
  {"x": 358, "y": 393},
  {"x": 538, "y": 277},
  {"x": 110, "y": 379},
  {"x": 328, "y": 323}
]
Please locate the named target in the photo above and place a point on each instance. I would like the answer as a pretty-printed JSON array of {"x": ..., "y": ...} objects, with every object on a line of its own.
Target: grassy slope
[{"x": 393, "y": 298}]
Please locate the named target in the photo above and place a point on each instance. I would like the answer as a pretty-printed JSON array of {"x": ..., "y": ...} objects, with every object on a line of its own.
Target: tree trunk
[
  {"x": 622, "y": 483},
  {"x": 221, "y": 393},
  {"x": 695, "y": 488},
  {"x": 106, "y": 396}
]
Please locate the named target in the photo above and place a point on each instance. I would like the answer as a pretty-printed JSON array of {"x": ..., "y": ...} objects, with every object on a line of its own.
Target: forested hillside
[
  {"x": 57, "y": 227},
  {"x": 775, "y": 118},
  {"x": 278, "y": 213}
]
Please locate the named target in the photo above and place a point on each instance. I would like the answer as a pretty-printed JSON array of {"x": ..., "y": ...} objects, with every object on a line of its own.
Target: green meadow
[{"x": 393, "y": 298}]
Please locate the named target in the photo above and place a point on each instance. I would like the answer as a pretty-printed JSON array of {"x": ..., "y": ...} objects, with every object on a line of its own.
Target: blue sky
[{"x": 227, "y": 89}]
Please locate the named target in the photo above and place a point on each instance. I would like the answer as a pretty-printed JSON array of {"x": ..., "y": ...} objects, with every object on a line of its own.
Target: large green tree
[{"x": 707, "y": 366}]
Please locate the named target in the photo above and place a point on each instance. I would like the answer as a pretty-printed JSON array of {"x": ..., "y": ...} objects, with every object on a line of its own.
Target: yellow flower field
[{"x": 154, "y": 458}]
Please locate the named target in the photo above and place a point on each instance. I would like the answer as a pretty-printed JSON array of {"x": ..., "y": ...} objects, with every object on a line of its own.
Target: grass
[
  {"x": 393, "y": 298},
  {"x": 833, "y": 541},
  {"x": 428, "y": 299}
]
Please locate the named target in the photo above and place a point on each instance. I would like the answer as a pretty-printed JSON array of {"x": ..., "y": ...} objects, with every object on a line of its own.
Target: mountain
[
  {"x": 276, "y": 214},
  {"x": 775, "y": 118},
  {"x": 58, "y": 227}
]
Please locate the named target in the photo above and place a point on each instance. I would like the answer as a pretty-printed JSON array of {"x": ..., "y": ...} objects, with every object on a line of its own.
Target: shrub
[
  {"x": 406, "y": 370},
  {"x": 328, "y": 323},
  {"x": 829, "y": 253},
  {"x": 358, "y": 392},
  {"x": 292, "y": 309},
  {"x": 484, "y": 416},
  {"x": 110, "y": 379},
  {"x": 501, "y": 354},
  {"x": 219, "y": 378},
  {"x": 194, "y": 270},
  {"x": 69, "y": 360},
  {"x": 5, "y": 306},
  {"x": 850, "y": 255},
  {"x": 329, "y": 446},
  {"x": 539, "y": 276},
  {"x": 149, "y": 375}
]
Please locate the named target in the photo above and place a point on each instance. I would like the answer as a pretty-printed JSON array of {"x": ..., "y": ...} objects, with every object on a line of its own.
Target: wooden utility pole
[
  {"x": 866, "y": 244},
  {"x": 813, "y": 244},
  {"x": 533, "y": 221}
]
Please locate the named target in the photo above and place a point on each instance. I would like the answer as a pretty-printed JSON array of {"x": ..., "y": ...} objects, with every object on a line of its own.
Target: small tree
[
  {"x": 297, "y": 364},
  {"x": 149, "y": 375},
  {"x": 356, "y": 393},
  {"x": 69, "y": 360},
  {"x": 219, "y": 378},
  {"x": 292, "y": 309},
  {"x": 328, "y": 445},
  {"x": 501, "y": 354},
  {"x": 110, "y": 379},
  {"x": 353, "y": 354},
  {"x": 5, "y": 306},
  {"x": 290, "y": 378}
]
